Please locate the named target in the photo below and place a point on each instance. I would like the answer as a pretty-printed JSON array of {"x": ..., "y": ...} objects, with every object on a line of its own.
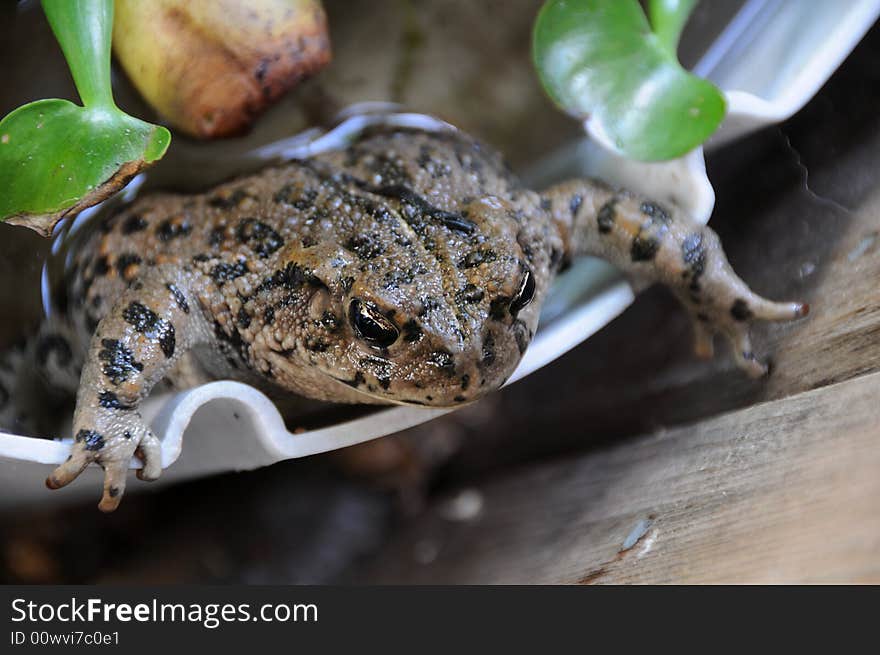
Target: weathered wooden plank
[{"x": 784, "y": 491}]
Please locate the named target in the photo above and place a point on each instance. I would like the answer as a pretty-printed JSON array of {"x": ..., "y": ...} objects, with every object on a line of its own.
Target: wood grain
[{"x": 784, "y": 491}]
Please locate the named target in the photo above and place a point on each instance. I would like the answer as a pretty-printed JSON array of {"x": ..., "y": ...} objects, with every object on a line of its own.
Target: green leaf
[
  {"x": 57, "y": 158},
  {"x": 600, "y": 59}
]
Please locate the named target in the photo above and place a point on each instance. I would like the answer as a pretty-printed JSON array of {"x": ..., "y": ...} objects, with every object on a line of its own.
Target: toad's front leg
[{"x": 135, "y": 345}]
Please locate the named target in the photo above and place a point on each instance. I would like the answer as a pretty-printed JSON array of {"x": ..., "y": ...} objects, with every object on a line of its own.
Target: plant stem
[
  {"x": 83, "y": 28},
  {"x": 667, "y": 20}
]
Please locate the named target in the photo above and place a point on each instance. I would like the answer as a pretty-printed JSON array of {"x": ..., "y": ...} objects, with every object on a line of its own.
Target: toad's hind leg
[
  {"x": 153, "y": 323},
  {"x": 651, "y": 243}
]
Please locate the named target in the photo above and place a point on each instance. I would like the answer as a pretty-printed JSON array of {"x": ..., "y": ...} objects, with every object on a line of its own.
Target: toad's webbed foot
[
  {"x": 733, "y": 318},
  {"x": 110, "y": 439}
]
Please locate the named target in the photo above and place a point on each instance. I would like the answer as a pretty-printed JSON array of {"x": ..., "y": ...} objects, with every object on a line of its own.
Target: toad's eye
[
  {"x": 371, "y": 325},
  {"x": 524, "y": 295}
]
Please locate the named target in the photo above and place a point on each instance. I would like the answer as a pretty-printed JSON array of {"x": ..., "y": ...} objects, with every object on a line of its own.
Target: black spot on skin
[
  {"x": 142, "y": 318},
  {"x": 385, "y": 383},
  {"x": 365, "y": 246},
  {"x": 693, "y": 254},
  {"x": 126, "y": 434},
  {"x": 317, "y": 345},
  {"x": 459, "y": 399},
  {"x": 260, "y": 72},
  {"x": 644, "y": 249},
  {"x": 224, "y": 272},
  {"x": 647, "y": 242},
  {"x": 655, "y": 211},
  {"x": 434, "y": 166},
  {"x": 421, "y": 207},
  {"x": 113, "y": 492},
  {"x": 692, "y": 251},
  {"x": 101, "y": 267},
  {"x": 125, "y": 260},
  {"x": 575, "y": 204},
  {"x": 465, "y": 382},
  {"x": 411, "y": 331},
  {"x": 145, "y": 321},
  {"x": 243, "y": 319},
  {"x": 477, "y": 257},
  {"x": 179, "y": 298},
  {"x": 109, "y": 400},
  {"x": 429, "y": 305},
  {"x": 546, "y": 204},
  {"x": 216, "y": 236},
  {"x": 607, "y": 216},
  {"x": 134, "y": 223},
  {"x": 488, "y": 350},
  {"x": 292, "y": 277},
  {"x": 92, "y": 440},
  {"x": 119, "y": 361},
  {"x": 201, "y": 257},
  {"x": 269, "y": 315},
  {"x": 522, "y": 336},
  {"x": 259, "y": 237},
  {"x": 53, "y": 343},
  {"x": 397, "y": 277},
  {"x": 228, "y": 200},
  {"x": 740, "y": 310},
  {"x": 357, "y": 381},
  {"x": 470, "y": 294},
  {"x": 390, "y": 169},
  {"x": 290, "y": 194},
  {"x": 173, "y": 228},
  {"x": 498, "y": 308},
  {"x": 443, "y": 360},
  {"x": 107, "y": 223},
  {"x": 167, "y": 340}
]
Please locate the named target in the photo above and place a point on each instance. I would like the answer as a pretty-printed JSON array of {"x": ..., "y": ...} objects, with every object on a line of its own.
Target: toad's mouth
[{"x": 429, "y": 402}]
